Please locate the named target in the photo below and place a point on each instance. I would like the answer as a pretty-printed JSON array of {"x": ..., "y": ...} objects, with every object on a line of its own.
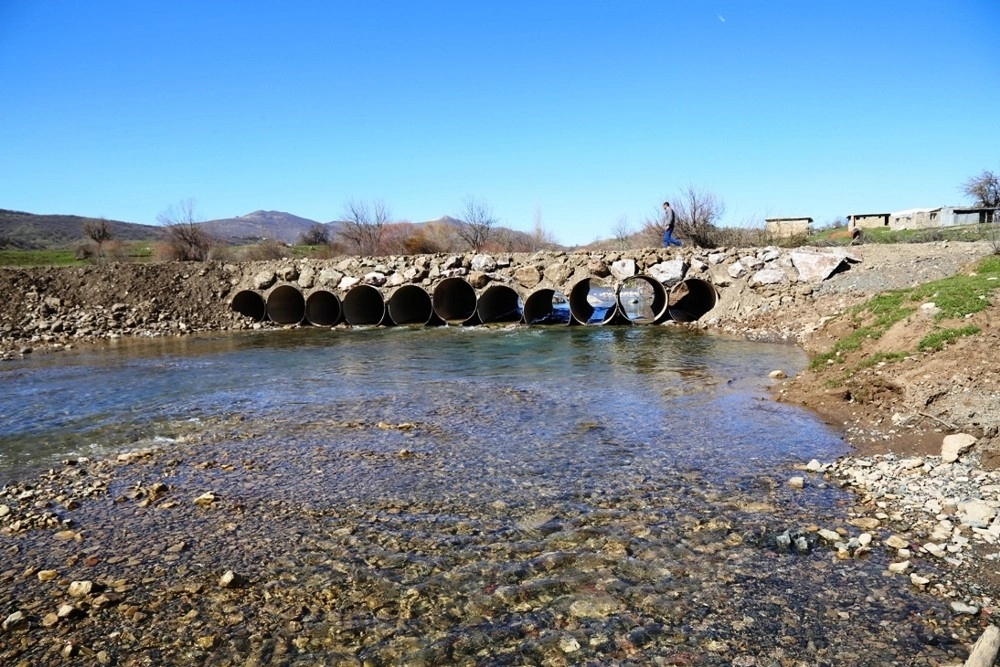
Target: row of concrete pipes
[{"x": 636, "y": 300}]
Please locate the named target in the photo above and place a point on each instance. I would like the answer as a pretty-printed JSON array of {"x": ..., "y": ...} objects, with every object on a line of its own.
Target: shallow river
[{"x": 585, "y": 495}]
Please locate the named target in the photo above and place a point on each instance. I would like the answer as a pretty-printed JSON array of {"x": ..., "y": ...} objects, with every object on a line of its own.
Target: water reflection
[{"x": 98, "y": 400}]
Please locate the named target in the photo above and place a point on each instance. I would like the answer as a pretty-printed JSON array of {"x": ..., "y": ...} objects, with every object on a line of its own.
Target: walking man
[{"x": 670, "y": 218}]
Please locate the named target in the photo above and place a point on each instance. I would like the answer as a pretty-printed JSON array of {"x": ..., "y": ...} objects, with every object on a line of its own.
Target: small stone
[
  {"x": 16, "y": 621},
  {"x": 777, "y": 374},
  {"x": 797, "y": 482},
  {"x": 865, "y": 523},
  {"x": 205, "y": 499},
  {"x": 47, "y": 575},
  {"x": 964, "y": 609},
  {"x": 829, "y": 535},
  {"x": 899, "y": 568},
  {"x": 80, "y": 589},
  {"x": 814, "y": 466},
  {"x": 231, "y": 580},
  {"x": 896, "y": 542},
  {"x": 207, "y": 642},
  {"x": 918, "y": 581}
]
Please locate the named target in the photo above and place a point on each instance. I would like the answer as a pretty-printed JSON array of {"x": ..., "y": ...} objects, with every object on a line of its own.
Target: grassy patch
[
  {"x": 879, "y": 357},
  {"x": 30, "y": 258},
  {"x": 955, "y": 297},
  {"x": 937, "y": 340}
]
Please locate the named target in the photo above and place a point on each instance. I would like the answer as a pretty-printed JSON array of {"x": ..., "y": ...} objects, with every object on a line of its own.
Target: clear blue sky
[{"x": 580, "y": 111}]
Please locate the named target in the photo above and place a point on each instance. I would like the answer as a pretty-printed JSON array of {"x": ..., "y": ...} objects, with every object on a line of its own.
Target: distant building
[
  {"x": 868, "y": 220},
  {"x": 784, "y": 228},
  {"x": 942, "y": 216}
]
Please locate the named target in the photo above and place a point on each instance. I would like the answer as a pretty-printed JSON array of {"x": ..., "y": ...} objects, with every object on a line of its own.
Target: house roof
[{"x": 913, "y": 211}]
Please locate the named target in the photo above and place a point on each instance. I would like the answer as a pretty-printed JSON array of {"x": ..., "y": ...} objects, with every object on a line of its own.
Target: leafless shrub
[
  {"x": 623, "y": 233},
  {"x": 363, "y": 224},
  {"x": 477, "y": 223},
  {"x": 265, "y": 250},
  {"x": 185, "y": 240}
]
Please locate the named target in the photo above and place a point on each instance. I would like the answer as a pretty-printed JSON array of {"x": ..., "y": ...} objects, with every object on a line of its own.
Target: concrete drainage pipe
[
  {"x": 286, "y": 305},
  {"x": 546, "y": 306},
  {"x": 323, "y": 309},
  {"x": 499, "y": 303},
  {"x": 454, "y": 301},
  {"x": 691, "y": 299},
  {"x": 642, "y": 300},
  {"x": 363, "y": 305},
  {"x": 593, "y": 301},
  {"x": 249, "y": 304},
  {"x": 410, "y": 305}
]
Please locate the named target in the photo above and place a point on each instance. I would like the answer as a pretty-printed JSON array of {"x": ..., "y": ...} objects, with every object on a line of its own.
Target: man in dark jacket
[{"x": 670, "y": 218}]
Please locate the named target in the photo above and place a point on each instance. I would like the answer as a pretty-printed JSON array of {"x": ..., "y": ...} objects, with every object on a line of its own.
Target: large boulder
[
  {"x": 527, "y": 276},
  {"x": 483, "y": 263},
  {"x": 815, "y": 267},
  {"x": 668, "y": 273},
  {"x": 769, "y": 277},
  {"x": 623, "y": 268}
]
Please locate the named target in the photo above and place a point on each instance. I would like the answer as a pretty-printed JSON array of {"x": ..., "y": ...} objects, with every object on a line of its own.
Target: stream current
[{"x": 570, "y": 495}]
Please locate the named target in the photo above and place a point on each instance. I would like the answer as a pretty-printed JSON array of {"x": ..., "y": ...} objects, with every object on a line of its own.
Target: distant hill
[
  {"x": 28, "y": 231},
  {"x": 259, "y": 225}
]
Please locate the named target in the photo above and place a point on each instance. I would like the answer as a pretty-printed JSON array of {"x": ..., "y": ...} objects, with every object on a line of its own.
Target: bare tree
[
  {"x": 363, "y": 225},
  {"x": 316, "y": 235},
  {"x": 540, "y": 238},
  {"x": 623, "y": 233},
  {"x": 476, "y": 226},
  {"x": 697, "y": 212},
  {"x": 97, "y": 230},
  {"x": 186, "y": 240},
  {"x": 983, "y": 189}
]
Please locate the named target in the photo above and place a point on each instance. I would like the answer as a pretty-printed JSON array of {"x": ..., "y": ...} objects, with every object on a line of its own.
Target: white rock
[
  {"x": 769, "y": 277},
  {"x": 955, "y": 445},
  {"x": 899, "y": 568},
  {"x": 815, "y": 267},
  {"x": 623, "y": 268}
]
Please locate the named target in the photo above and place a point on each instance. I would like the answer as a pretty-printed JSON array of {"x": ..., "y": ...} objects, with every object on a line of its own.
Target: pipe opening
[
  {"x": 363, "y": 305},
  {"x": 546, "y": 306},
  {"x": 691, "y": 299},
  {"x": 499, "y": 303},
  {"x": 249, "y": 304},
  {"x": 409, "y": 305},
  {"x": 454, "y": 301},
  {"x": 322, "y": 309},
  {"x": 641, "y": 299},
  {"x": 286, "y": 305},
  {"x": 593, "y": 301}
]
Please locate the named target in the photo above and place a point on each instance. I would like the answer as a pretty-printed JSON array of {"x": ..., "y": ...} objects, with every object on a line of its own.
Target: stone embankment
[{"x": 48, "y": 309}]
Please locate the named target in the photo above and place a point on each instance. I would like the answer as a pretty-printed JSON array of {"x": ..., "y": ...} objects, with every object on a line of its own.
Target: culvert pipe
[
  {"x": 546, "y": 306},
  {"x": 363, "y": 305},
  {"x": 593, "y": 301},
  {"x": 454, "y": 301},
  {"x": 249, "y": 304},
  {"x": 323, "y": 309},
  {"x": 642, "y": 299},
  {"x": 499, "y": 303},
  {"x": 410, "y": 305},
  {"x": 286, "y": 305},
  {"x": 691, "y": 299}
]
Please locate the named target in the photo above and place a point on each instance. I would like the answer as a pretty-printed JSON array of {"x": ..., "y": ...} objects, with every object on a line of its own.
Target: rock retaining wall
[{"x": 49, "y": 308}]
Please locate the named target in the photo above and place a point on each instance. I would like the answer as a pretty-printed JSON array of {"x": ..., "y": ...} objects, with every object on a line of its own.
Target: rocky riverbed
[{"x": 155, "y": 558}]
